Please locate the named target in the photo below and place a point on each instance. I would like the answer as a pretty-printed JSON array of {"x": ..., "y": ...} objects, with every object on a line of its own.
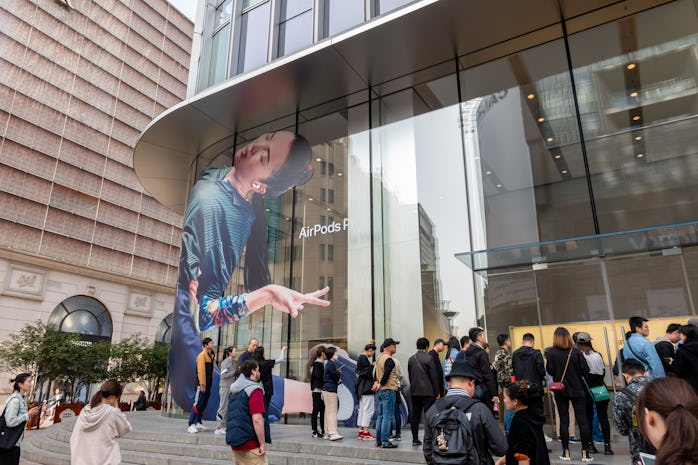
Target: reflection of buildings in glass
[{"x": 432, "y": 318}]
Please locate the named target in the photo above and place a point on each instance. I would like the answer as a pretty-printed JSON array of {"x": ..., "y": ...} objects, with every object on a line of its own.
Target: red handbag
[{"x": 559, "y": 386}]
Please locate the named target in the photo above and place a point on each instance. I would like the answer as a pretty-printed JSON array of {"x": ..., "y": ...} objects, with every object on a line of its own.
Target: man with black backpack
[{"x": 459, "y": 429}]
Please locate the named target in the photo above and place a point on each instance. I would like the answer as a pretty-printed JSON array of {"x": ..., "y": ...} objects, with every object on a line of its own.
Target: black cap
[
  {"x": 370, "y": 346},
  {"x": 389, "y": 342},
  {"x": 461, "y": 368}
]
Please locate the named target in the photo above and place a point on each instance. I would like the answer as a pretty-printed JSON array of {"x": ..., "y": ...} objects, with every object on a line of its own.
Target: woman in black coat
[
  {"x": 526, "y": 439},
  {"x": 561, "y": 355},
  {"x": 685, "y": 362},
  {"x": 317, "y": 376},
  {"x": 265, "y": 376}
]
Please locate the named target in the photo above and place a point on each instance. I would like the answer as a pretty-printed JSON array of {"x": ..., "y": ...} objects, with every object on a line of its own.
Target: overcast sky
[{"x": 188, "y": 7}]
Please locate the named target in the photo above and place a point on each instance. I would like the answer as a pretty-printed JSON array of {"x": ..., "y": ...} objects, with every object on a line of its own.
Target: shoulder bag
[
  {"x": 559, "y": 386},
  {"x": 598, "y": 393},
  {"x": 9, "y": 436}
]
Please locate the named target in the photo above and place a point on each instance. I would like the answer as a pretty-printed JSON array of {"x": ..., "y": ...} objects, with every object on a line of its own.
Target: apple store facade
[{"x": 521, "y": 170}]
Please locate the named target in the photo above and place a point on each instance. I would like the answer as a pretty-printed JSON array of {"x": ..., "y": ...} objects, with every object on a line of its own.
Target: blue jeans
[
  {"x": 508, "y": 417},
  {"x": 385, "y": 401}
]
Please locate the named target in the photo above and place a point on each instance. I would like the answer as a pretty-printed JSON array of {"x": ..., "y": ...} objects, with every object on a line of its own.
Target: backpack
[
  {"x": 633, "y": 412},
  {"x": 453, "y": 434}
]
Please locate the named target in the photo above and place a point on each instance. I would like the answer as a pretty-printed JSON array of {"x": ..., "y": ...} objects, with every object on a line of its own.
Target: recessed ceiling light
[
  {"x": 318, "y": 159},
  {"x": 531, "y": 96},
  {"x": 268, "y": 209},
  {"x": 549, "y": 139},
  {"x": 488, "y": 172},
  {"x": 636, "y": 118},
  {"x": 563, "y": 171},
  {"x": 633, "y": 94},
  {"x": 288, "y": 219},
  {"x": 541, "y": 119},
  {"x": 310, "y": 199},
  {"x": 640, "y": 155},
  {"x": 631, "y": 66},
  {"x": 638, "y": 137},
  {"x": 329, "y": 209},
  {"x": 499, "y": 185},
  {"x": 558, "y": 156},
  {"x": 340, "y": 173}
]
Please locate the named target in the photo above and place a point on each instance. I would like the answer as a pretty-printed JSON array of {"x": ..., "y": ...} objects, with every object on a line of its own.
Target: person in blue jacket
[
  {"x": 641, "y": 349},
  {"x": 219, "y": 223}
]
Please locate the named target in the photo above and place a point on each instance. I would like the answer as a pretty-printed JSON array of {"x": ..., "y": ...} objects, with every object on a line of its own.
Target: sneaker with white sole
[
  {"x": 335, "y": 437},
  {"x": 219, "y": 431},
  {"x": 547, "y": 438},
  {"x": 201, "y": 427},
  {"x": 192, "y": 429}
]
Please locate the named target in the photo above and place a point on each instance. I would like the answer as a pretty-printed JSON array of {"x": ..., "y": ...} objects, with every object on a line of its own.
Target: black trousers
[
  {"x": 318, "y": 409},
  {"x": 580, "y": 412},
  {"x": 9, "y": 456},
  {"x": 602, "y": 414},
  {"x": 419, "y": 404}
]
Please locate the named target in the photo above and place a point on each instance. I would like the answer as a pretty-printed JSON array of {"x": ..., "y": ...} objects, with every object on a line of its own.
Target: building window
[
  {"x": 220, "y": 42},
  {"x": 330, "y": 293},
  {"x": 384, "y": 6},
  {"x": 254, "y": 34},
  {"x": 330, "y": 169},
  {"x": 322, "y": 252},
  {"x": 330, "y": 195},
  {"x": 323, "y": 168},
  {"x": 323, "y": 220},
  {"x": 323, "y": 194},
  {"x": 340, "y": 15},
  {"x": 295, "y": 25},
  {"x": 321, "y": 282},
  {"x": 330, "y": 252}
]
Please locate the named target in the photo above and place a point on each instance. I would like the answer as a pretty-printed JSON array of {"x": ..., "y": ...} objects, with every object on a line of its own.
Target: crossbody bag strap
[
  {"x": 562, "y": 380},
  {"x": 640, "y": 359}
]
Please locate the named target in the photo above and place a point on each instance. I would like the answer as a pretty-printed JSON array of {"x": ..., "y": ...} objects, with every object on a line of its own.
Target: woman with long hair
[
  {"x": 526, "y": 439},
  {"x": 452, "y": 349},
  {"x": 364, "y": 382},
  {"x": 17, "y": 415},
  {"x": 686, "y": 359},
  {"x": 223, "y": 218},
  {"x": 567, "y": 364},
  {"x": 667, "y": 415},
  {"x": 597, "y": 371},
  {"x": 95, "y": 435},
  {"x": 317, "y": 374},
  {"x": 228, "y": 370}
]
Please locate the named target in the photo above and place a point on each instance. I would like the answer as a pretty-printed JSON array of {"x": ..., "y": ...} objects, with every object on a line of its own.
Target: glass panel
[
  {"x": 385, "y": 6},
  {"x": 290, "y": 8},
  {"x": 638, "y": 92},
  {"x": 219, "y": 56},
  {"x": 223, "y": 13},
  {"x": 652, "y": 286},
  {"x": 340, "y": 15},
  {"x": 296, "y": 33},
  {"x": 254, "y": 38},
  {"x": 526, "y": 183}
]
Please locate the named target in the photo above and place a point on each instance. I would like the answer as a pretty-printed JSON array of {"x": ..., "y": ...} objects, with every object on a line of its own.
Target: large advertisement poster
[{"x": 224, "y": 218}]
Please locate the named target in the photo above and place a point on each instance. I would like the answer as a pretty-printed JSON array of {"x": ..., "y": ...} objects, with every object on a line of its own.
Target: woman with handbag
[
  {"x": 569, "y": 368},
  {"x": 598, "y": 392},
  {"x": 14, "y": 418}
]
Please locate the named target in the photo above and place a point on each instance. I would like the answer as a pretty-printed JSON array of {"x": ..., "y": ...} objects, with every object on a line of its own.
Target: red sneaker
[{"x": 369, "y": 437}]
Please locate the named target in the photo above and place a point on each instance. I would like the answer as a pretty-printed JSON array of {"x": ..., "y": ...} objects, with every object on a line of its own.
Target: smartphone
[{"x": 647, "y": 459}]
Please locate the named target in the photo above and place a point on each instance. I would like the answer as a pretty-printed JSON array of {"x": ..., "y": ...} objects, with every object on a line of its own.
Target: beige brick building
[{"x": 82, "y": 244}]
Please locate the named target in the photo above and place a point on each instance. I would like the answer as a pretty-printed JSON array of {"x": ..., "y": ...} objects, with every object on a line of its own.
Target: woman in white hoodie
[{"x": 99, "y": 426}]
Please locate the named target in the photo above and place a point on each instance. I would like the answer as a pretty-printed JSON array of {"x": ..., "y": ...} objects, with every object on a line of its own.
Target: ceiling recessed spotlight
[
  {"x": 339, "y": 173},
  {"x": 531, "y": 96},
  {"x": 288, "y": 219},
  {"x": 329, "y": 209},
  {"x": 318, "y": 159},
  {"x": 557, "y": 157},
  {"x": 633, "y": 94},
  {"x": 310, "y": 199},
  {"x": 563, "y": 171},
  {"x": 488, "y": 172},
  {"x": 636, "y": 118},
  {"x": 638, "y": 137},
  {"x": 268, "y": 209},
  {"x": 631, "y": 66},
  {"x": 541, "y": 119},
  {"x": 640, "y": 155},
  {"x": 499, "y": 185},
  {"x": 549, "y": 139}
]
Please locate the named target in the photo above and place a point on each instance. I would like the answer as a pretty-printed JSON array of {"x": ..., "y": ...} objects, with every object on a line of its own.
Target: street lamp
[{"x": 448, "y": 314}]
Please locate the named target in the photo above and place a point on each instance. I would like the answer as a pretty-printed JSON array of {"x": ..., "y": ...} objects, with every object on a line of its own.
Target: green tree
[{"x": 155, "y": 361}]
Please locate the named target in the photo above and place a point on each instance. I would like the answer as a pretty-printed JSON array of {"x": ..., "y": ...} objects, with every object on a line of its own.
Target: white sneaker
[
  {"x": 192, "y": 429},
  {"x": 335, "y": 437},
  {"x": 200, "y": 427},
  {"x": 548, "y": 438},
  {"x": 325, "y": 436},
  {"x": 219, "y": 431}
]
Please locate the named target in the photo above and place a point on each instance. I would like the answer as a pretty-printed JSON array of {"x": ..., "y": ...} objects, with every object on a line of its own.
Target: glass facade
[{"x": 549, "y": 185}]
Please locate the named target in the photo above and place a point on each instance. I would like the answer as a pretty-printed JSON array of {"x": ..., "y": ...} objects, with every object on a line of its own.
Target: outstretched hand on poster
[{"x": 284, "y": 299}]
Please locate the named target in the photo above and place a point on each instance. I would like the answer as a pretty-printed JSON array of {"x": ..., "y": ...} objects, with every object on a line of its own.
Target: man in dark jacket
[
  {"x": 686, "y": 361},
  {"x": 424, "y": 385},
  {"x": 439, "y": 346},
  {"x": 489, "y": 439},
  {"x": 666, "y": 347},
  {"x": 527, "y": 363},
  {"x": 478, "y": 360}
]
